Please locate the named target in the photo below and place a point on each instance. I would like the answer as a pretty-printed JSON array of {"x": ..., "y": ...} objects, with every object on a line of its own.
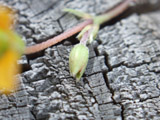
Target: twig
[
  {"x": 59, "y": 38},
  {"x": 99, "y": 20}
]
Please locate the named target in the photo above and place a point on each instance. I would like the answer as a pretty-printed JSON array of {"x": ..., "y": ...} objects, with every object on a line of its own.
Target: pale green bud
[
  {"x": 87, "y": 28},
  {"x": 93, "y": 33},
  {"x": 78, "y": 60}
]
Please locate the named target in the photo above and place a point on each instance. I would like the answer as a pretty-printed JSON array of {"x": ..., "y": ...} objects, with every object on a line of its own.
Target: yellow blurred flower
[
  {"x": 11, "y": 48},
  {"x": 8, "y": 69},
  {"x": 6, "y": 17}
]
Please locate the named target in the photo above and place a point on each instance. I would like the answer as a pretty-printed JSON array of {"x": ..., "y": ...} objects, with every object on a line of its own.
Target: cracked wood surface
[{"x": 122, "y": 80}]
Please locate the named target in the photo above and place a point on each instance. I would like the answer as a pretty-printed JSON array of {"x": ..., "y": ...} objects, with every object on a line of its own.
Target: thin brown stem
[
  {"x": 99, "y": 20},
  {"x": 84, "y": 38},
  {"x": 59, "y": 38}
]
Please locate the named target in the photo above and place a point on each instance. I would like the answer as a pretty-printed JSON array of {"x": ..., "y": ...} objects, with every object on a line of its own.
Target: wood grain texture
[{"x": 122, "y": 80}]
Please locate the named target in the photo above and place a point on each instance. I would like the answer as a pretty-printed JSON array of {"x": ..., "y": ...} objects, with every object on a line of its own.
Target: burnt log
[{"x": 122, "y": 80}]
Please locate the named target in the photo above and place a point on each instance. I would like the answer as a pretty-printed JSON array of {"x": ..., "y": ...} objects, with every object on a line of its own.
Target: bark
[{"x": 122, "y": 80}]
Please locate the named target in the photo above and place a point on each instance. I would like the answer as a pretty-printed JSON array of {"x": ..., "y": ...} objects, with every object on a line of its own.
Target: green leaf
[
  {"x": 10, "y": 39},
  {"x": 78, "y": 13},
  {"x": 3, "y": 42}
]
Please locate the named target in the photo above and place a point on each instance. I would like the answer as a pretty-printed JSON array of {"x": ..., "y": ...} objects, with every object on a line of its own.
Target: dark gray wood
[{"x": 122, "y": 80}]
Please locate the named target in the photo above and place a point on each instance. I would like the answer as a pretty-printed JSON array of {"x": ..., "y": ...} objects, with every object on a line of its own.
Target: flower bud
[
  {"x": 78, "y": 60},
  {"x": 11, "y": 48}
]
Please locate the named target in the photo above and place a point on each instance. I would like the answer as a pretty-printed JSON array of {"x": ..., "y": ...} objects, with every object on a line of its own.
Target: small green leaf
[
  {"x": 3, "y": 42},
  {"x": 78, "y": 13},
  {"x": 10, "y": 39}
]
